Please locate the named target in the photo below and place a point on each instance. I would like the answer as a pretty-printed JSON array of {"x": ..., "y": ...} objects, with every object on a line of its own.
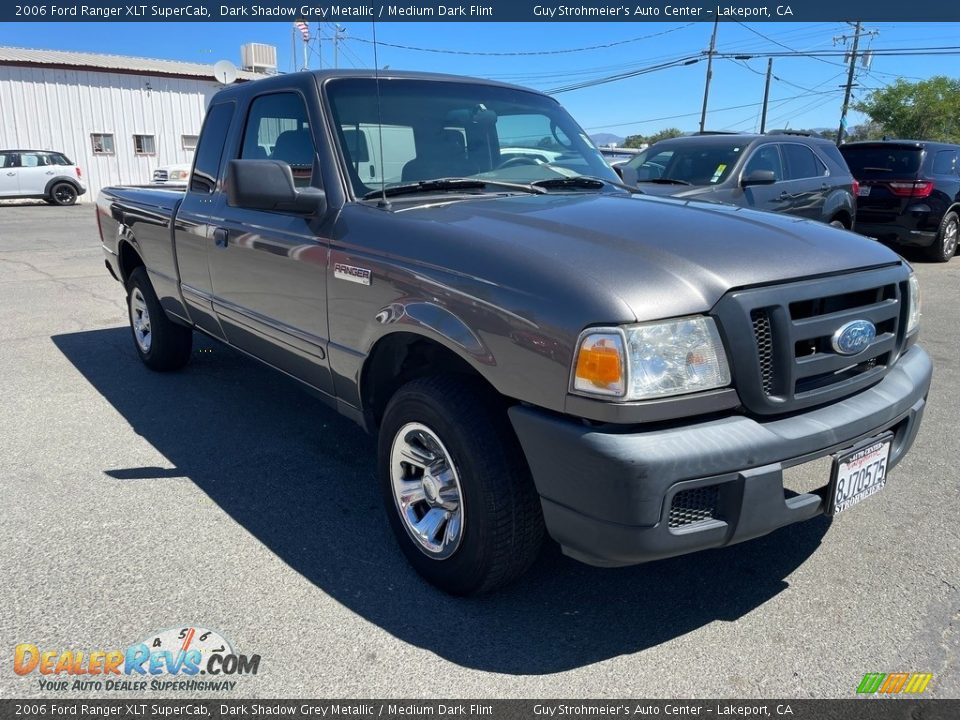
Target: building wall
[{"x": 58, "y": 109}]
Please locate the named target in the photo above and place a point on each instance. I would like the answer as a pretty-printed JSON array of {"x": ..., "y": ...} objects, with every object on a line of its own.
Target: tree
[
  {"x": 635, "y": 141},
  {"x": 867, "y": 131},
  {"x": 924, "y": 110}
]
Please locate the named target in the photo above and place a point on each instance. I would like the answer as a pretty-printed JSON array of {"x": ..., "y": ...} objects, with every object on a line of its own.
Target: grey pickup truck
[{"x": 450, "y": 263}]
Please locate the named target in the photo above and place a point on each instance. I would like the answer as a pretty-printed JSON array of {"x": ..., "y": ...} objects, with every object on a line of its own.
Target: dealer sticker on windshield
[{"x": 858, "y": 474}]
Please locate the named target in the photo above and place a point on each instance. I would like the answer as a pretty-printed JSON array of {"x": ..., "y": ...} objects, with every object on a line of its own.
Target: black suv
[
  {"x": 778, "y": 172},
  {"x": 909, "y": 193}
]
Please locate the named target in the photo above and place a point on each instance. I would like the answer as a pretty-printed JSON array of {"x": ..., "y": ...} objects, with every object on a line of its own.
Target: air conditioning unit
[{"x": 259, "y": 58}]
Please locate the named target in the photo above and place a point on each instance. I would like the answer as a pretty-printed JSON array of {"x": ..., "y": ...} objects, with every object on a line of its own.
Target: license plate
[
  {"x": 863, "y": 191},
  {"x": 858, "y": 474}
]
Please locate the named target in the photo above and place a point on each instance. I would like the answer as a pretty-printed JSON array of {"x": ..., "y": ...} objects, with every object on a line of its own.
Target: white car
[
  {"x": 175, "y": 175},
  {"x": 42, "y": 174}
]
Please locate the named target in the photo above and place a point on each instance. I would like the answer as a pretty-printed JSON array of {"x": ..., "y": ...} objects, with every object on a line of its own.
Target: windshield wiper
[
  {"x": 588, "y": 182},
  {"x": 666, "y": 181},
  {"x": 423, "y": 186}
]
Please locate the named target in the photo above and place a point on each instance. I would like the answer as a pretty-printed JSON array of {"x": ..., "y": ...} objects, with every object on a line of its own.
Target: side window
[
  {"x": 30, "y": 160},
  {"x": 945, "y": 163},
  {"x": 277, "y": 128},
  {"x": 801, "y": 162},
  {"x": 144, "y": 145},
  {"x": 210, "y": 148},
  {"x": 9, "y": 160},
  {"x": 102, "y": 143},
  {"x": 766, "y": 157}
]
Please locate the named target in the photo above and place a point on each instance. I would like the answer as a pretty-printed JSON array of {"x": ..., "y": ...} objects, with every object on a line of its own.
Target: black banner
[
  {"x": 900, "y": 708},
  {"x": 481, "y": 11}
]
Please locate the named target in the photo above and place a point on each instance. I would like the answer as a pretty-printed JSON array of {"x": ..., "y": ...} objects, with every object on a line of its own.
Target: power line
[
  {"x": 603, "y": 46},
  {"x": 689, "y": 60},
  {"x": 716, "y": 110}
]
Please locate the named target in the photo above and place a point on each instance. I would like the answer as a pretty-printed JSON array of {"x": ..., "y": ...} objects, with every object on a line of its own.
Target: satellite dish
[{"x": 225, "y": 72}]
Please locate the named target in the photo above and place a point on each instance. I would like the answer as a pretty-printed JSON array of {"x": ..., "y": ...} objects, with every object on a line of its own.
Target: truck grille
[
  {"x": 693, "y": 506},
  {"x": 780, "y": 337},
  {"x": 160, "y": 176}
]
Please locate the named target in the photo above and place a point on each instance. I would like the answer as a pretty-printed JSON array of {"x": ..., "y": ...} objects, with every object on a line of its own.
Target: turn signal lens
[
  {"x": 913, "y": 304},
  {"x": 600, "y": 366}
]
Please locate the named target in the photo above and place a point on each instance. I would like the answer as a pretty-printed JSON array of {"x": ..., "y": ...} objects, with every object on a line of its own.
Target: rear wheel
[
  {"x": 456, "y": 487},
  {"x": 63, "y": 194},
  {"x": 945, "y": 246},
  {"x": 161, "y": 343}
]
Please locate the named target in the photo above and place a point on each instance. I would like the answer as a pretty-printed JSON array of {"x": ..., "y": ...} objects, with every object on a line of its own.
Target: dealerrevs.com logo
[{"x": 179, "y": 659}]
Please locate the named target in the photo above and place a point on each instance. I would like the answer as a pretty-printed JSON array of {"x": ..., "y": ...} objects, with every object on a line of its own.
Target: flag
[{"x": 304, "y": 29}]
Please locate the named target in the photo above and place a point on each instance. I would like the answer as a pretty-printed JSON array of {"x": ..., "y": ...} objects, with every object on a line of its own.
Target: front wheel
[
  {"x": 63, "y": 194},
  {"x": 161, "y": 343},
  {"x": 456, "y": 487},
  {"x": 945, "y": 246}
]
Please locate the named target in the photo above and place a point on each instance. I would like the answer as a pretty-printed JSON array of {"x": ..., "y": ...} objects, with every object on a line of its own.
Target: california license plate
[
  {"x": 858, "y": 474},
  {"x": 863, "y": 191}
]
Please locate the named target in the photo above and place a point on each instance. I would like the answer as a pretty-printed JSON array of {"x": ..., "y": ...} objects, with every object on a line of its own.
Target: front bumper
[{"x": 606, "y": 494}]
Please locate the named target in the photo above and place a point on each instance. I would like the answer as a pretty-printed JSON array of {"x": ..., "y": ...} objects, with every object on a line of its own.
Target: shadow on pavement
[{"x": 301, "y": 479}]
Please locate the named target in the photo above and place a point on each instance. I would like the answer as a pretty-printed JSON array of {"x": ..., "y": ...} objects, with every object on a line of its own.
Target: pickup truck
[{"x": 540, "y": 349}]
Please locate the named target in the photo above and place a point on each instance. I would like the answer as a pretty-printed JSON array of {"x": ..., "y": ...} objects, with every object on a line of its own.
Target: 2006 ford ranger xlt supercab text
[{"x": 451, "y": 263}]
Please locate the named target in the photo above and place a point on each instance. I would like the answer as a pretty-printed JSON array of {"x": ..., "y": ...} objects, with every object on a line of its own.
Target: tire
[
  {"x": 162, "y": 344},
  {"x": 454, "y": 427},
  {"x": 945, "y": 246},
  {"x": 63, "y": 193}
]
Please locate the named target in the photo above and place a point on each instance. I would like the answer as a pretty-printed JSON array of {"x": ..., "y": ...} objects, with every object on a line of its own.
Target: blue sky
[{"x": 642, "y": 104}]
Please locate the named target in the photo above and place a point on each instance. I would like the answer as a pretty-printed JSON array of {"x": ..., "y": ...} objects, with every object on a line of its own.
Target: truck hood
[
  {"x": 701, "y": 192},
  {"x": 661, "y": 257}
]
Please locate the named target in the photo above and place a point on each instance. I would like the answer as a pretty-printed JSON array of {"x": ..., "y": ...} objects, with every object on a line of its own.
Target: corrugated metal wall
[{"x": 54, "y": 109}]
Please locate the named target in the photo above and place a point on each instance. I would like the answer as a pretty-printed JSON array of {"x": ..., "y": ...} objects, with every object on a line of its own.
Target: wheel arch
[
  {"x": 48, "y": 188},
  {"x": 401, "y": 356},
  {"x": 128, "y": 258}
]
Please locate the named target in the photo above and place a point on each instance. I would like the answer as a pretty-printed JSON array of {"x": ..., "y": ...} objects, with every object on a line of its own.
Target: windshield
[
  {"x": 443, "y": 129},
  {"x": 691, "y": 163},
  {"x": 877, "y": 161}
]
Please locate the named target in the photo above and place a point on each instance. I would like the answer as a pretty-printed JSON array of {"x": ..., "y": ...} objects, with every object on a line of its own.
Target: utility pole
[
  {"x": 706, "y": 86},
  {"x": 766, "y": 96},
  {"x": 857, "y": 34},
  {"x": 338, "y": 35}
]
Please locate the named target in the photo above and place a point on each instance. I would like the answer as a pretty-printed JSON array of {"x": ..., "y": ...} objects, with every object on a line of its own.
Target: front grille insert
[
  {"x": 780, "y": 337},
  {"x": 764, "y": 338},
  {"x": 693, "y": 506}
]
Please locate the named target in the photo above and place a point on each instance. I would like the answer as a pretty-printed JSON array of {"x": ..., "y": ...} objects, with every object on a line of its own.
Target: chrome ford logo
[{"x": 854, "y": 337}]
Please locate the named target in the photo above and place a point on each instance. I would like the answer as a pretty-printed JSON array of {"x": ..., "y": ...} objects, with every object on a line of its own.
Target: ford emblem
[{"x": 854, "y": 337}]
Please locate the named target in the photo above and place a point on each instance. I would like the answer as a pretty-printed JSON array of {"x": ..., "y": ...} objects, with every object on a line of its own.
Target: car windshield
[
  {"x": 689, "y": 163},
  {"x": 432, "y": 130}
]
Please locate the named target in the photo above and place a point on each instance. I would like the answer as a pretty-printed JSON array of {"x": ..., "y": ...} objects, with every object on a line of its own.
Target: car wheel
[
  {"x": 63, "y": 194},
  {"x": 945, "y": 246},
  {"x": 161, "y": 343},
  {"x": 457, "y": 490}
]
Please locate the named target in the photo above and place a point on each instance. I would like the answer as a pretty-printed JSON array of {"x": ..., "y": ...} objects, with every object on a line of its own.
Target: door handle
[
  {"x": 221, "y": 237},
  {"x": 824, "y": 186},
  {"x": 49, "y": 172},
  {"x": 10, "y": 174},
  {"x": 784, "y": 195}
]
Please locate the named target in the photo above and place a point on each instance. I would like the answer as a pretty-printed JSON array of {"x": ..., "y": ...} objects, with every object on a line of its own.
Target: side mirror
[
  {"x": 759, "y": 177},
  {"x": 268, "y": 185},
  {"x": 619, "y": 171}
]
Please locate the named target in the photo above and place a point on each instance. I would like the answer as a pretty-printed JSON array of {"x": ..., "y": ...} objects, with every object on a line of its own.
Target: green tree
[
  {"x": 866, "y": 131},
  {"x": 635, "y": 141},
  {"x": 924, "y": 110}
]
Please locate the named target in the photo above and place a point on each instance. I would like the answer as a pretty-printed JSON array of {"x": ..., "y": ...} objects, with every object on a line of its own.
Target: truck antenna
[{"x": 384, "y": 202}]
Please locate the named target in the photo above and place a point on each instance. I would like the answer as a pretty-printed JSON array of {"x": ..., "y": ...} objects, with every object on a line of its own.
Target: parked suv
[
  {"x": 909, "y": 193},
  {"x": 50, "y": 176},
  {"x": 784, "y": 173}
]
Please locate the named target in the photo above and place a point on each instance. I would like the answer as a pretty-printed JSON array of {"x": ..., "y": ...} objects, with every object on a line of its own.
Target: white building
[{"x": 117, "y": 117}]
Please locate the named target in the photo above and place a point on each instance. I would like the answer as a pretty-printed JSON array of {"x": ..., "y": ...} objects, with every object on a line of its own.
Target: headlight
[
  {"x": 639, "y": 362},
  {"x": 178, "y": 174},
  {"x": 913, "y": 303}
]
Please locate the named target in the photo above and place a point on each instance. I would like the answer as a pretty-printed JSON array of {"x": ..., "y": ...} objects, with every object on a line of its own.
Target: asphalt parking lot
[{"x": 224, "y": 497}]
